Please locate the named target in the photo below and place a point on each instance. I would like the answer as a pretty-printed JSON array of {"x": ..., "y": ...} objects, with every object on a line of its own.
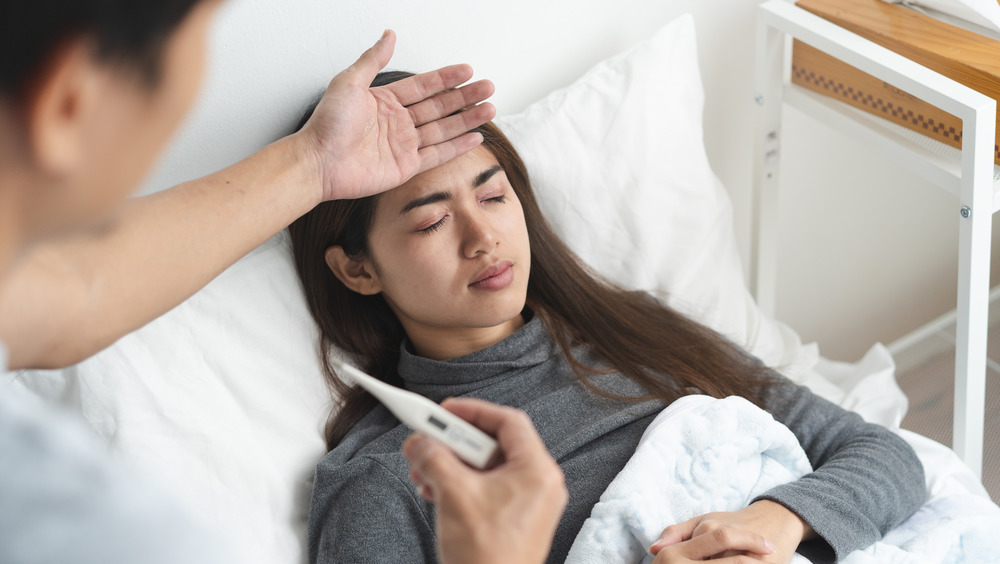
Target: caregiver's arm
[
  {"x": 506, "y": 514},
  {"x": 68, "y": 299}
]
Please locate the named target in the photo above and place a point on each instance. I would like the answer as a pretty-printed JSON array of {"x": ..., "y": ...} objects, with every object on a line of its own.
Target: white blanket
[{"x": 702, "y": 455}]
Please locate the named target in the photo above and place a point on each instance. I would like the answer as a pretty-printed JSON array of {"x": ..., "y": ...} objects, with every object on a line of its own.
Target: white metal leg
[
  {"x": 972, "y": 324},
  {"x": 775, "y": 19},
  {"x": 770, "y": 60}
]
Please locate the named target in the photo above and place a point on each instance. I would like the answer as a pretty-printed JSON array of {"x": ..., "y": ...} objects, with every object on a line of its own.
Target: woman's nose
[{"x": 479, "y": 237}]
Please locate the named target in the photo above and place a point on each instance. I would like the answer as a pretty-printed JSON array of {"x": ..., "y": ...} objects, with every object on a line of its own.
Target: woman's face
[{"x": 450, "y": 250}]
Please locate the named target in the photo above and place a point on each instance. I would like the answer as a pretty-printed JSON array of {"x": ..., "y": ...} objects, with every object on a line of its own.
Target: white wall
[{"x": 867, "y": 251}]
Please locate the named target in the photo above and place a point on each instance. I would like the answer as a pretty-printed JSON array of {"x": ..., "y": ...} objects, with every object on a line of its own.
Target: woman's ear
[{"x": 357, "y": 275}]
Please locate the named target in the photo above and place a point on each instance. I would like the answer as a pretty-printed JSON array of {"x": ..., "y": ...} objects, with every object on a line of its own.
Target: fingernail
[
  {"x": 770, "y": 547},
  {"x": 654, "y": 545},
  {"x": 384, "y": 35}
]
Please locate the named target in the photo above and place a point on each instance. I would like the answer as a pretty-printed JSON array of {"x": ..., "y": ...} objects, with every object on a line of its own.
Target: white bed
[{"x": 222, "y": 400}]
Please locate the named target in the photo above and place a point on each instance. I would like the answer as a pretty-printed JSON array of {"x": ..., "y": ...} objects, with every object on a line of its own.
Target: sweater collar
[{"x": 529, "y": 346}]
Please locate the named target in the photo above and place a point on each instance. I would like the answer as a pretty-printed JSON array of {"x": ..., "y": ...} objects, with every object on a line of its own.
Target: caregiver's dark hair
[
  {"x": 659, "y": 348},
  {"x": 132, "y": 32}
]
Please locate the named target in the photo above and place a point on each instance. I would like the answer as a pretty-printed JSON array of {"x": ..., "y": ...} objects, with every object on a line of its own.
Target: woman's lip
[{"x": 496, "y": 277}]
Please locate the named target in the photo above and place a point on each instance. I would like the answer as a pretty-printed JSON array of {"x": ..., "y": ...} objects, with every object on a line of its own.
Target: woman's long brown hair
[{"x": 657, "y": 347}]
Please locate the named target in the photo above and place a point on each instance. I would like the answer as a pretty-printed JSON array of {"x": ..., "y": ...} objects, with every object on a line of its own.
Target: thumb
[
  {"x": 434, "y": 465},
  {"x": 374, "y": 59},
  {"x": 674, "y": 534}
]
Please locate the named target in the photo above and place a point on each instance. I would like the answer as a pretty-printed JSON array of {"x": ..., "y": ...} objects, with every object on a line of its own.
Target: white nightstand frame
[{"x": 969, "y": 177}]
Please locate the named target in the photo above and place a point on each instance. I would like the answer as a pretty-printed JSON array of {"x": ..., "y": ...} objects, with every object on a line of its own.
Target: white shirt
[{"x": 63, "y": 500}]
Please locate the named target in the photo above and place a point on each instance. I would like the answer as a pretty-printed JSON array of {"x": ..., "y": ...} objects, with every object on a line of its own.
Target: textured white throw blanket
[
  {"x": 702, "y": 455},
  {"x": 699, "y": 455}
]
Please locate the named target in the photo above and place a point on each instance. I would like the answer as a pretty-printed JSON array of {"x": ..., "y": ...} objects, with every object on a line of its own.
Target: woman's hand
[
  {"x": 368, "y": 140},
  {"x": 765, "y": 531},
  {"x": 508, "y": 513}
]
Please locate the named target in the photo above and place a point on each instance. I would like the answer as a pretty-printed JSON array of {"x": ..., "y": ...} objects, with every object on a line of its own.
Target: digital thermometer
[{"x": 423, "y": 415}]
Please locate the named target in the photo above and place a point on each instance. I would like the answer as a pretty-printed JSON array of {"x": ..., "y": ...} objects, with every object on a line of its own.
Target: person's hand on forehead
[
  {"x": 360, "y": 141},
  {"x": 368, "y": 140}
]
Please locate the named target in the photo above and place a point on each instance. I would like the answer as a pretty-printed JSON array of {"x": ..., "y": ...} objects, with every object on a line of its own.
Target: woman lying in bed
[{"x": 454, "y": 285}]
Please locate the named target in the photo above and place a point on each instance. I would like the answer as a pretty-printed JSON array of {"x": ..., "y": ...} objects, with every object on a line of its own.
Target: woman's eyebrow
[
  {"x": 426, "y": 200},
  {"x": 484, "y": 176},
  {"x": 481, "y": 178}
]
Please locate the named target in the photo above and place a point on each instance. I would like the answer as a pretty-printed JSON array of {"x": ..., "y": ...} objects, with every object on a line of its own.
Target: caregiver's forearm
[{"x": 68, "y": 299}]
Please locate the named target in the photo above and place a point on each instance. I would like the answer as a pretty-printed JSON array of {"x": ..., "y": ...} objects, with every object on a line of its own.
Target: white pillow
[
  {"x": 223, "y": 398},
  {"x": 619, "y": 166}
]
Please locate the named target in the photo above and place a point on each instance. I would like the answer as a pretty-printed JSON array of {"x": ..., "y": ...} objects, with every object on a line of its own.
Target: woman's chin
[
  {"x": 506, "y": 314},
  {"x": 508, "y": 318}
]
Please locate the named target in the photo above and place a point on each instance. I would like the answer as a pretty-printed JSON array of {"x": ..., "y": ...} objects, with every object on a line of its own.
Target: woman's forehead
[{"x": 455, "y": 174}]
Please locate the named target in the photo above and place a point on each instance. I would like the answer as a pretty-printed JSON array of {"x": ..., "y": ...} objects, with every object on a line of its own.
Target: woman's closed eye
[
  {"x": 434, "y": 226},
  {"x": 497, "y": 195},
  {"x": 498, "y": 199}
]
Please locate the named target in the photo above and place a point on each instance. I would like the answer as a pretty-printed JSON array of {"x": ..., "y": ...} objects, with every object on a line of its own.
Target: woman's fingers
[
  {"x": 674, "y": 534},
  {"x": 725, "y": 538},
  {"x": 734, "y": 559},
  {"x": 714, "y": 542}
]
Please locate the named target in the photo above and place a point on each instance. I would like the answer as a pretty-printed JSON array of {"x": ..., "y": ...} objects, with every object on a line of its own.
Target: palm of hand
[
  {"x": 369, "y": 143},
  {"x": 367, "y": 140}
]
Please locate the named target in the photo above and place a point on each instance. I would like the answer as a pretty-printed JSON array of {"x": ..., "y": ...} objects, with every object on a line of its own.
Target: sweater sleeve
[
  {"x": 365, "y": 513},
  {"x": 866, "y": 480}
]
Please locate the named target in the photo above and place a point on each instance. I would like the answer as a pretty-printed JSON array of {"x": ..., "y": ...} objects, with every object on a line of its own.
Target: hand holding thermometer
[{"x": 423, "y": 415}]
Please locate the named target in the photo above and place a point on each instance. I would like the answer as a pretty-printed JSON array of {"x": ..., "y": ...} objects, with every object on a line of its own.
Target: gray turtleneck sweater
[{"x": 365, "y": 509}]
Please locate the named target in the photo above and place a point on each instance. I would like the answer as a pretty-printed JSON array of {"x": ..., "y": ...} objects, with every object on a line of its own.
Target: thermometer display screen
[{"x": 437, "y": 422}]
